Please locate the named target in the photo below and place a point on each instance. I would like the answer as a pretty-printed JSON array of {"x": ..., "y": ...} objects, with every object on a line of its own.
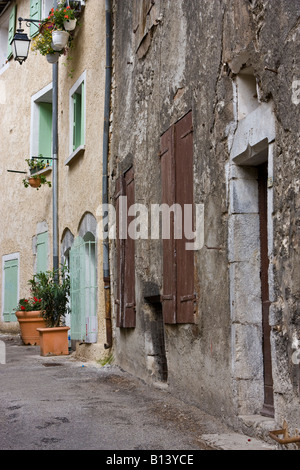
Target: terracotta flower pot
[
  {"x": 54, "y": 341},
  {"x": 29, "y": 322},
  {"x": 34, "y": 182}
]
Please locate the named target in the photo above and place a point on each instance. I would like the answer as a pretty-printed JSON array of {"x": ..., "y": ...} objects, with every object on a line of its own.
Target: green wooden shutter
[
  {"x": 83, "y": 291},
  {"x": 11, "y": 30},
  {"x": 77, "y": 300},
  {"x": 35, "y": 14},
  {"x": 11, "y": 268},
  {"x": 45, "y": 129},
  {"x": 82, "y": 116},
  {"x": 42, "y": 253},
  {"x": 78, "y": 117},
  {"x": 77, "y": 121}
]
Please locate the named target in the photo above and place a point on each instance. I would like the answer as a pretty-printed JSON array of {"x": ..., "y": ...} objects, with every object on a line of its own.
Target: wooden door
[{"x": 268, "y": 407}]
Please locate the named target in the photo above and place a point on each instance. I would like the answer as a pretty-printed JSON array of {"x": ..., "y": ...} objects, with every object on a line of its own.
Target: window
[
  {"x": 77, "y": 118},
  {"x": 42, "y": 252},
  {"x": 7, "y": 31},
  {"x": 41, "y": 124},
  {"x": 10, "y": 286},
  {"x": 178, "y": 297},
  {"x": 125, "y": 291}
]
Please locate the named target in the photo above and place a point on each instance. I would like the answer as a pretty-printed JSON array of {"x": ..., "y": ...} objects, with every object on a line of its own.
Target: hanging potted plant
[
  {"x": 61, "y": 17},
  {"x": 53, "y": 287},
  {"x": 42, "y": 43},
  {"x": 29, "y": 315},
  {"x": 35, "y": 179}
]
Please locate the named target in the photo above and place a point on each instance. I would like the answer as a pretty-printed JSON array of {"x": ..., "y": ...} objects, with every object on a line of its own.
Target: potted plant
[
  {"x": 35, "y": 178},
  {"x": 43, "y": 44},
  {"x": 53, "y": 287},
  {"x": 61, "y": 18},
  {"x": 29, "y": 315}
]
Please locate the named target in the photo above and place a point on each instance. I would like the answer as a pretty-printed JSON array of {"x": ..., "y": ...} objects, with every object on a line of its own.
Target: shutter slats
[
  {"x": 129, "y": 267},
  {"x": 176, "y": 155},
  {"x": 184, "y": 195},
  {"x": 169, "y": 249}
]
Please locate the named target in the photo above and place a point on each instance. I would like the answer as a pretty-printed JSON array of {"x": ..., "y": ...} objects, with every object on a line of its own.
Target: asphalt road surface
[{"x": 60, "y": 403}]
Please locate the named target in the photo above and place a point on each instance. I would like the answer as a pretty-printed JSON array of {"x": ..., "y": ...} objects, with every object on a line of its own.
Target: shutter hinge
[
  {"x": 187, "y": 133},
  {"x": 188, "y": 298}
]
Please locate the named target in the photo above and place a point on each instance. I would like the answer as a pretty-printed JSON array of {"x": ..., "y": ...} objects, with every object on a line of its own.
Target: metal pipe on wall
[
  {"x": 55, "y": 162},
  {"x": 108, "y": 75}
]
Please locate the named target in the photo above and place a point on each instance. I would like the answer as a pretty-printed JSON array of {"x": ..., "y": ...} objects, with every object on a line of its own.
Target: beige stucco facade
[{"x": 26, "y": 212}]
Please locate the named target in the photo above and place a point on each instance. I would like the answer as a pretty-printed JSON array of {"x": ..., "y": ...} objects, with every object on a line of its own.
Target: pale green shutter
[
  {"x": 82, "y": 116},
  {"x": 35, "y": 14},
  {"x": 11, "y": 30},
  {"x": 42, "y": 253},
  {"x": 11, "y": 268},
  {"x": 78, "y": 118},
  {"x": 77, "y": 299},
  {"x": 83, "y": 291},
  {"x": 45, "y": 129}
]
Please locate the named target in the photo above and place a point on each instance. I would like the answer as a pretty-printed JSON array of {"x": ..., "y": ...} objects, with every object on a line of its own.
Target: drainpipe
[
  {"x": 108, "y": 75},
  {"x": 55, "y": 162}
]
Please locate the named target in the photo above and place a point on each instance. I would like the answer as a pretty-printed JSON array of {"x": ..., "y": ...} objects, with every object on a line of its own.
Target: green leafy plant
[
  {"x": 42, "y": 43},
  {"x": 59, "y": 15},
  {"x": 35, "y": 166},
  {"x": 29, "y": 305},
  {"x": 53, "y": 288}
]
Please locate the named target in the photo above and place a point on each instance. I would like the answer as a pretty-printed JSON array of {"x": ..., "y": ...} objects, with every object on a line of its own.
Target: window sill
[
  {"x": 42, "y": 172},
  {"x": 76, "y": 154}
]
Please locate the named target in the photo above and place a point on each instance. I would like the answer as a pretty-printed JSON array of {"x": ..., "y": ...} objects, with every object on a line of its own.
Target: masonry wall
[
  {"x": 191, "y": 60},
  {"x": 24, "y": 210}
]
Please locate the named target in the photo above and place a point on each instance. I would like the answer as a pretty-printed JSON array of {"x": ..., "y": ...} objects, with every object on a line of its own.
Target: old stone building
[
  {"x": 206, "y": 115},
  {"x": 27, "y": 240},
  {"x": 199, "y": 276}
]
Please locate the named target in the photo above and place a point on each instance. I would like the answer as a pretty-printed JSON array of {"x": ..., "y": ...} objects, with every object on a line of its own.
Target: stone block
[
  {"x": 243, "y": 196},
  {"x": 244, "y": 240},
  {"x": 247, "y": 345},
  {"x": 245, "y": 292}
]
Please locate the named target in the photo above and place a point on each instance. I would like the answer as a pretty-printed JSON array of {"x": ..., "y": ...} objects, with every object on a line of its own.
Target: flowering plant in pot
[
  {"x": 60, "y": 15},
  {"x": 53, "y": 287},
  {"x": 30, "y": 317},
  {"x": 35, "y": 178}
]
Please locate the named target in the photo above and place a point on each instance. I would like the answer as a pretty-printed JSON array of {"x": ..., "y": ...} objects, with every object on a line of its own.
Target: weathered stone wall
[{"x": 197, "y": 50}]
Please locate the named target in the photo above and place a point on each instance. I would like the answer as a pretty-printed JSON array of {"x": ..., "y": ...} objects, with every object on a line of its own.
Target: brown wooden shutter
[
  {"x": 129, "y": 316},
  {"x": 184, "y": 195},
  {"x": 169, "y": 250},
  {"x": 120, "y": 253}
]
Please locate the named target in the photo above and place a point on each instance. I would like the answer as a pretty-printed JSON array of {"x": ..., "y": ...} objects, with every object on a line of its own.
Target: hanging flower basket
[
  {"x": 52, "y": 58},
  {"x": 45, "y": 27},
  {"x": 70, "y": 25},
  {"x": 59, "y": 39},
  {"x": 34, "y": 182}
]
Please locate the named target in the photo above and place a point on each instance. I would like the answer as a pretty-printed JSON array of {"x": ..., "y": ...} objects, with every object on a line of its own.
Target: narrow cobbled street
[{"x": 61, "y": 403}]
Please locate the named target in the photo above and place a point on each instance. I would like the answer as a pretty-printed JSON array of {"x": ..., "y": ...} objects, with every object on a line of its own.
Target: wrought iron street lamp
[
  {"x": 20, "y": 46},
  {"x": 20, "y": 42}
]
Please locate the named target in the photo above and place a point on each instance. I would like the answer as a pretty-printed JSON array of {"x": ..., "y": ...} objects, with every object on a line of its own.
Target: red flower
[
  {"x": 68, "y": 7},
  {"x": 22, "y": 307},
  {"x": 25, "y": 300},
  {"x": 36, "y": 300},
  {"x": 66, "y": 16}
]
